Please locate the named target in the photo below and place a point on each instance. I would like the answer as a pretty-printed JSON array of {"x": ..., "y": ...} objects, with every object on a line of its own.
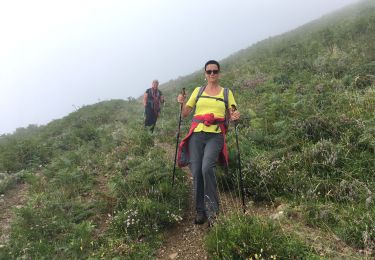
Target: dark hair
[{"x": 212, "y": 62}]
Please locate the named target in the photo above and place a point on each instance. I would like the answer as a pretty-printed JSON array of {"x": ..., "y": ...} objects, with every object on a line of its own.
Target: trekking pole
[
  {"x": 177, "y": 138},
  {"x": 242, "y": 190},
  {"x": 162, "y": 116}
]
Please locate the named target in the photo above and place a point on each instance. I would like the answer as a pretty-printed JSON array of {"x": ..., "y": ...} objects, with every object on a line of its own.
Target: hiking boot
[{"x": 200, "y": 218}]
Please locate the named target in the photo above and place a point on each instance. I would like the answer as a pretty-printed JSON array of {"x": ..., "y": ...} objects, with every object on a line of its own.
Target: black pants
[{"x": 151, "y": 118}]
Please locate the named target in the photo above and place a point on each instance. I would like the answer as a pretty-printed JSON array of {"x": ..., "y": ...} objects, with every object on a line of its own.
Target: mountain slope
[
  {"x": 307, "y": 140},
  {"x": 308, "y": 136}
]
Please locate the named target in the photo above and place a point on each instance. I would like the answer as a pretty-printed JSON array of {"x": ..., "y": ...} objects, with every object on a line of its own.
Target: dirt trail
[
  {"x": 13, "y": 198},
  {"x": 186, "y": 240}
]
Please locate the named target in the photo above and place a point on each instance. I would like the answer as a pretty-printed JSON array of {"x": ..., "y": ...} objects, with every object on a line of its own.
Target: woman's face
[
  {"x": 155, "y": 84},
  {"x": 212, "y": 73}
]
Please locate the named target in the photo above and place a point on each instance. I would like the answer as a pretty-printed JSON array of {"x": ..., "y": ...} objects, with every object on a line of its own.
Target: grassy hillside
[
  {"x": 99, "y": 187},
  {"x": 310, "y": 139}
]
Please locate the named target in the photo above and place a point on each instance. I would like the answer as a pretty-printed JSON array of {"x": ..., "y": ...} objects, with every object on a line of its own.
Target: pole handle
[{"x": 234, "y": 108}]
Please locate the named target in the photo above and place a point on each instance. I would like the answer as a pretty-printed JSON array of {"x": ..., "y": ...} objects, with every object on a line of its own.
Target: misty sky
[{"x": 56, "y": 56}]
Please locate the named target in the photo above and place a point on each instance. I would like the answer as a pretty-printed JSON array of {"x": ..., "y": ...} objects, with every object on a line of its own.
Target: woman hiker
[
  {"x": 152, "y": 100},
  {"x": 213, "y": 105}
]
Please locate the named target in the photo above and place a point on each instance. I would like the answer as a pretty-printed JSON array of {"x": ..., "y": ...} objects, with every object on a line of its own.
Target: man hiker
[{"x": 152, "y": 100}]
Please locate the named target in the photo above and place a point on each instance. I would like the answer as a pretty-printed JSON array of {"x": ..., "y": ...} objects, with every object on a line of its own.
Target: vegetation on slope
[
  {"x": 99, "y": 187},
  {"x": 103, "y": 191},
  {"x": 310, "y": 139}
]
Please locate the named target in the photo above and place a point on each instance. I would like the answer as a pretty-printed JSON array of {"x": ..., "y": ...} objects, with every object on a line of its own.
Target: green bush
[
  {"x": 356, "y": 227},
  {"x": 8, "y": 181},
  {"x": 147, "y": 200},
  {"x": 320, "y": 215},
  {"x": 244, "y": 237},
  {"x": 144, "y": 218}
]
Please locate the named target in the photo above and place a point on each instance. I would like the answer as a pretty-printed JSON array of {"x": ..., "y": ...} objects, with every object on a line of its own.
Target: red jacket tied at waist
[{"x": 207, "y": 120}]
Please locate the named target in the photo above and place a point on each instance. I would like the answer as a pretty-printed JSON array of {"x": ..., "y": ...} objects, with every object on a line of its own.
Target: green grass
[
  {"x": 98, "y": 186},
  {"x": 245, "y": 237}
]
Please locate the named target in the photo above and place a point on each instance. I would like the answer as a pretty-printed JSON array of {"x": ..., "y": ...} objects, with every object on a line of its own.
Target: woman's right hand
[{"x": 181, "y": 98}]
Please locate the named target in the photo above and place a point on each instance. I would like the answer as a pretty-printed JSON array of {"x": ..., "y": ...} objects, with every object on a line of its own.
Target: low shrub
[{"x": 244, "y": 237}]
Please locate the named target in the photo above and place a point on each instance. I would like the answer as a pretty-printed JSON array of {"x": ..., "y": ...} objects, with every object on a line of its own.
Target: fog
[{"x": 56, "y": 56}]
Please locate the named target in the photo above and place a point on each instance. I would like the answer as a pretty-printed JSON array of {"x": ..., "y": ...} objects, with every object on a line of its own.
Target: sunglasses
[{"x": 209, "y": 72}]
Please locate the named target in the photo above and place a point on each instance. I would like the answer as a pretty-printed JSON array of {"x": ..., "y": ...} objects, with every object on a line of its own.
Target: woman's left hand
[{"x": 234, "y": 115}]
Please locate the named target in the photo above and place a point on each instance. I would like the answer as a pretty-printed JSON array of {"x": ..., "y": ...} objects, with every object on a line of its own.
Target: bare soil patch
[{"x": 13, "y": 198}]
